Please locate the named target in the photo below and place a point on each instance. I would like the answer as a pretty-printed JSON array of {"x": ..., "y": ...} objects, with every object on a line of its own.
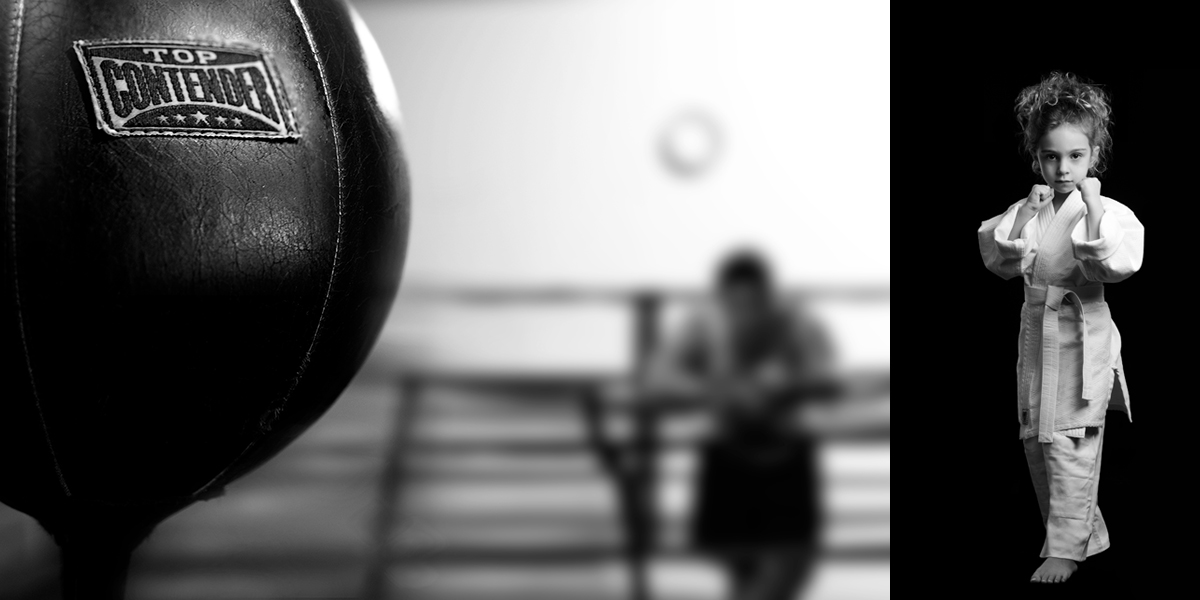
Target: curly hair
[{"x": 1061, "y": 99}]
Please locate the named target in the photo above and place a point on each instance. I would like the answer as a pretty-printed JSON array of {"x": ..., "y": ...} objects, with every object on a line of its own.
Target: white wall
[{"x": 531, "y": 128}]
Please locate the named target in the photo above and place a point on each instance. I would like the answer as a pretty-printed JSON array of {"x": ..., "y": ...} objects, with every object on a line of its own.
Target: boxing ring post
[{"x": 639, "y": 482}]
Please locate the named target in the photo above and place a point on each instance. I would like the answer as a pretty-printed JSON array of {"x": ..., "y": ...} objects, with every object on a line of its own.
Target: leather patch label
[{"x": 143, "y": 87}]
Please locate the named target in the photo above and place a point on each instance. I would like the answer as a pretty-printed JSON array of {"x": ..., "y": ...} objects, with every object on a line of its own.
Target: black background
[{"x": 963, "y": 497}]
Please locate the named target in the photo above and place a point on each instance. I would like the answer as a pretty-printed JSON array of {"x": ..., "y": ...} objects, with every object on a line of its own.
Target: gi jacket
[{"x": 1069, "y": 350}]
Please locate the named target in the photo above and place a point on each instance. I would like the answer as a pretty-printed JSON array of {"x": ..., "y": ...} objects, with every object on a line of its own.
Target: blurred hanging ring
[{"x": 691, "y": 143}]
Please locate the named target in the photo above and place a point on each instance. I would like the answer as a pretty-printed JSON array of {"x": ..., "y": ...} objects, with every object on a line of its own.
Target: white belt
[{"x": 1052, "y": 297}]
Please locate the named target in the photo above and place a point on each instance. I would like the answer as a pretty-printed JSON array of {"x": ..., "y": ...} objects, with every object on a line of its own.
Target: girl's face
[{"x": 1065, "y": 155}]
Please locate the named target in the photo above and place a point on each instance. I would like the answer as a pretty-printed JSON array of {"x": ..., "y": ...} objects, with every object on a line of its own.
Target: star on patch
[
  {"x": 162, "y": 119},
  {"x": 237, "y": 121},
  {"x": 199, "y": 116},
  {"x": 178, "y": 118},
  {"x": 221, "y": 119}
]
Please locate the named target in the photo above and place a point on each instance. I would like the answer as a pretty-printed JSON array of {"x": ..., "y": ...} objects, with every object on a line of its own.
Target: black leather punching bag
[{"x": 205, "y": 212}]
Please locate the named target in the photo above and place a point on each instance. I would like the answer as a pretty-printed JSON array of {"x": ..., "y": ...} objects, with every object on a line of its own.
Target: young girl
[
  {"x": 752, "y": 360},
  {"x": 1066, "y": 241}
]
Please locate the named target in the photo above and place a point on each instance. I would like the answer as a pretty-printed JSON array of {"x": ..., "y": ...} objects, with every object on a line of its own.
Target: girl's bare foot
[{"x": 1054, "y": 570}]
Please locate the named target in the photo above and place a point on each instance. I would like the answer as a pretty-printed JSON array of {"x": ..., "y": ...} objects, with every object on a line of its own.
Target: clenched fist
[
  {"x": 1039, "y": 196},
  {"x": 1089, "y": 188}
]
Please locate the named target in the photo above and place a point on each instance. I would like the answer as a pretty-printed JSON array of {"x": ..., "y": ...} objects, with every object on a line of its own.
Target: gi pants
[{"x": 1066, "y": 477}]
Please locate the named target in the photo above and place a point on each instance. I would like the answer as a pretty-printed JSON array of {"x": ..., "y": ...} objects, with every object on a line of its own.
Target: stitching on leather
[
  {"x": 14, "y": 40},
  {"x": 337, "y": 243},
  {"x": 272, "y": 413}
]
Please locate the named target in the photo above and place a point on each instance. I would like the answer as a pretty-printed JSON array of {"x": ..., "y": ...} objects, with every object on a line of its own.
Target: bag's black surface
[{"x": 176, "y": 310}]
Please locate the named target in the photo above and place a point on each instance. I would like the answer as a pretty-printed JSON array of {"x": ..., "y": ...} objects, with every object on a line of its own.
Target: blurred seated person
[{"x": 751, "y": 360}]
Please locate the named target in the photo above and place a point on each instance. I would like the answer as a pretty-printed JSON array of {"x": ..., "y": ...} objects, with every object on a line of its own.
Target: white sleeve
[
  {"x": 1117, "y": 253},
  {"x": 1001, "y": 256}
]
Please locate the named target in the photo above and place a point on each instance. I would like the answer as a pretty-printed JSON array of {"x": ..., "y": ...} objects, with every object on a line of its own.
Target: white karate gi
[{"x": 1069, "y": 369}]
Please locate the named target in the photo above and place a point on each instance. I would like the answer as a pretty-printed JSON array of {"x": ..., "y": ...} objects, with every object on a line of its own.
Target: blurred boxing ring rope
[{"x": 629, "y": 461}]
